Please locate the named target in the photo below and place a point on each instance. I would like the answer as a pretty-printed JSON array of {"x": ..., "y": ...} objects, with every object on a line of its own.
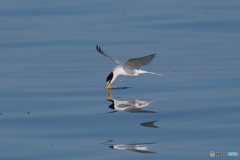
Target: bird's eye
[{"x": 109, "y": 78}]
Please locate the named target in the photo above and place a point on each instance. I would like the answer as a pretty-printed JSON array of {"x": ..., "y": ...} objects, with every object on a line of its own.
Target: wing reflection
[
  {"x": 137, "y": 147},
  {"x": 132, "y": 105},
  {"x": 149, "y": 124}
]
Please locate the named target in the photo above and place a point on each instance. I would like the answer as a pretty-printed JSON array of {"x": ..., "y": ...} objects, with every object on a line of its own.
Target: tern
[{"x": 131, "y": 68}]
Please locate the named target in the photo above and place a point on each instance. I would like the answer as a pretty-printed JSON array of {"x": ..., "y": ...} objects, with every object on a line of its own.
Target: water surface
[{"x": 53, "y": 101}]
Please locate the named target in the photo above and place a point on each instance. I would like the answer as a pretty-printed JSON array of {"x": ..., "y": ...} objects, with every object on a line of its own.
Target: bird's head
[{"x": 109, "y": 79}]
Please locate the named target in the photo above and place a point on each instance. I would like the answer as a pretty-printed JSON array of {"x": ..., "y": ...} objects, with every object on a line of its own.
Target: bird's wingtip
[{"x": 99, "y": 49}]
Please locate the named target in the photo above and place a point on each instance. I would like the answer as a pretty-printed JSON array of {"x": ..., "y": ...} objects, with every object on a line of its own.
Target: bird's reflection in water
[
  {"x": 137, "y": 147},
  {"x": 132, "y": 105}
]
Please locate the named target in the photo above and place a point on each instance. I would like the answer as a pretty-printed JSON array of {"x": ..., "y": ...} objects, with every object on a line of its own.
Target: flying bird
[{"x": 131, "y": 68}]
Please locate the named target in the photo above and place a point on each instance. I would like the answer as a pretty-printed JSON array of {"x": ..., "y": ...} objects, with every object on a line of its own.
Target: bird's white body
[
  {"x": 120, "y": 71},
  {"x": 131, "y": 68}
]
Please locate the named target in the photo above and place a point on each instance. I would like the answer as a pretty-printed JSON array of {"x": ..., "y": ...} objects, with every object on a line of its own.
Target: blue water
[{"x": 53, "y": 101}]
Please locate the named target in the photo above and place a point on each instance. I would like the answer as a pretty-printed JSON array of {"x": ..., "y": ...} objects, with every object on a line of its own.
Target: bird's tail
[{"x": 155, "y": 73}]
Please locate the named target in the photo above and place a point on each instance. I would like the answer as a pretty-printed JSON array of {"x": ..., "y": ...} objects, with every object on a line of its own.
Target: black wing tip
[{"x": 99, "y": 49}]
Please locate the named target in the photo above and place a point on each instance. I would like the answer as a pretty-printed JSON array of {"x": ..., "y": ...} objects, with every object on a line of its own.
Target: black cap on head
[{"x": 109, "y": 78}]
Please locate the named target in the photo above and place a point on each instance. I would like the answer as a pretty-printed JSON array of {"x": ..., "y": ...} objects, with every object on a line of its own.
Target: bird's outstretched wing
[
  {"x": 136, "y": 63},
  {"x": 114, "y": 60}
]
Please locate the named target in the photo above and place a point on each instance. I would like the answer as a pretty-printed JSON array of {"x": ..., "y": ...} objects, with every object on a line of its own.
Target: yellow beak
[{"x": 108, "y": 85}]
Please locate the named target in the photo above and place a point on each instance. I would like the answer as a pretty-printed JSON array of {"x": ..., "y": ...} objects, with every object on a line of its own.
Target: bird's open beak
[{"x": 108, "y": 85}]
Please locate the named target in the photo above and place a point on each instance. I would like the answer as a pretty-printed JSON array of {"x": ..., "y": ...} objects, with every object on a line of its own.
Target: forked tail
[{"x": 155, "y": 73}]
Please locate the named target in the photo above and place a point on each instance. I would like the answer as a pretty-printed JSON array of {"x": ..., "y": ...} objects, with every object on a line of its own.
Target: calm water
[{"x": 53, "y": 101}]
